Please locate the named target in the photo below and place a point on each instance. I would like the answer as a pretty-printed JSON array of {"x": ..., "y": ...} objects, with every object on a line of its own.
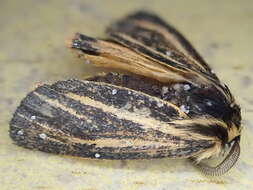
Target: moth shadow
[{"x": 154, "y": 165}]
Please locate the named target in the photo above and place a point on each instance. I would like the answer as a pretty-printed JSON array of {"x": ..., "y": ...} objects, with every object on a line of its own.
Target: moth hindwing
[{"x": 171, "y": 105}]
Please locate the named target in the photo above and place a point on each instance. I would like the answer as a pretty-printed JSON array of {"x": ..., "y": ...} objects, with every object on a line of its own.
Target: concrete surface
[{"x": 32, "y": 50}]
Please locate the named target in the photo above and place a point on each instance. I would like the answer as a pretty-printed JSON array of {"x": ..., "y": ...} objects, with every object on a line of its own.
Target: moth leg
[{"x": 224, "y": 166}]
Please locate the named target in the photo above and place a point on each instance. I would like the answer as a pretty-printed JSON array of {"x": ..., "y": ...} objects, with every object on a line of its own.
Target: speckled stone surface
[{"x": 33, "y": 50}]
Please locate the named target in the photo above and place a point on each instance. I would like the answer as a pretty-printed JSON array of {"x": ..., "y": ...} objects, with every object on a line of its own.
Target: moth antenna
[{"x": 224, "y": 166}]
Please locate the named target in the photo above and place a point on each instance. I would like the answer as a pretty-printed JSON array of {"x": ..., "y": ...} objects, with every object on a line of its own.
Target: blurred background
[{"x": 33, "y": 38}]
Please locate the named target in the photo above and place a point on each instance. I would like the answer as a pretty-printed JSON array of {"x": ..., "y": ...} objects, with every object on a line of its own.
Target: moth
[{"x": 164, "y": 101}]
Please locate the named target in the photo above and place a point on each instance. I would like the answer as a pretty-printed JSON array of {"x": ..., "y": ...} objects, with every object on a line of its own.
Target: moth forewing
[
  {"x": 85, "y": 118},
  {"x": 111, "y": 55},
  {"x": 142, "y": 60}
]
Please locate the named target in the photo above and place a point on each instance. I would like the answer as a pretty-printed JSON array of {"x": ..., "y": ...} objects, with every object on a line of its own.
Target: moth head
[{"x": 234, "y": 123}]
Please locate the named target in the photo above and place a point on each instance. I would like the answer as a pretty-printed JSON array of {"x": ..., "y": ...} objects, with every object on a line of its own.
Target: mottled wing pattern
[{"x": 98, "y": 120}]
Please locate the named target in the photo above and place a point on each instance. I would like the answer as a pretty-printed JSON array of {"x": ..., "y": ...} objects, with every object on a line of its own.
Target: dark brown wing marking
[{"x": 150, "y": 30}]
